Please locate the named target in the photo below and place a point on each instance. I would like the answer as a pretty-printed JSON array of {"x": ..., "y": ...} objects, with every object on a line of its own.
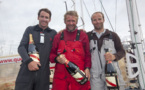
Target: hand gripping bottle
[
  {"x": 32, "y": 50},
  {"x": 111, "y": 76},
  {"x": 75, "y": 72}
]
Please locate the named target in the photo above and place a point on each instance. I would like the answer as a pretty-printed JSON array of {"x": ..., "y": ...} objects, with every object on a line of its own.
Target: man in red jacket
[{"x": 73, "y": 46}]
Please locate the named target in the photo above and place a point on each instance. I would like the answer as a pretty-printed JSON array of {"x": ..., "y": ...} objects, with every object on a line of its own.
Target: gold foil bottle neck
[{"x": 31, "y": 38}]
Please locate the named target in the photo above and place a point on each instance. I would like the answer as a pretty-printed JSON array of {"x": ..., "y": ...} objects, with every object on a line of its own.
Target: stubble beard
[
  {"x": 99, "y": 28},
  {"x": 71, "y": 30},
  {"x": 43, "y": 26}
]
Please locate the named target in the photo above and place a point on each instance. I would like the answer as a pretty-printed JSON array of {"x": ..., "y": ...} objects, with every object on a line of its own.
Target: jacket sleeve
[
  {"x": 120, "y": 52},
  {"x": 87, "y": 51},
  {"x": 23, "y": 47},
  {"x": 53, "y": 53}
]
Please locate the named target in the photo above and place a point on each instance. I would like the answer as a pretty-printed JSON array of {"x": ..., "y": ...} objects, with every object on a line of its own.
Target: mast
[{"x": 136, "y": 38}]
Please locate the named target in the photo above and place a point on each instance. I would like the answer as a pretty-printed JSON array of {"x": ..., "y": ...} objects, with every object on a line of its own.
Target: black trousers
[{"x": 32, "y": 80}]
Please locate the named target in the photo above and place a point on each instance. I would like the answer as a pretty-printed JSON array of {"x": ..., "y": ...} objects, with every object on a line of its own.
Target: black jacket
[{"x": 42, "y": 75}]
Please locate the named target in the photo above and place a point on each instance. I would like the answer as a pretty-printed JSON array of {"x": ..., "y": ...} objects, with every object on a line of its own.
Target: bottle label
[
  {"x": 78, "y": 76},
  {"x": 41, "y": 37},
  {"x": 112, "y": 81},
  {"x": 35, "y": 57}
]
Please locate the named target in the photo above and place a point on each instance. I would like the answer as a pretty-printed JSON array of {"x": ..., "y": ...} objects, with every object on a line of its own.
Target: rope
[
  {"x": 86, "y": 9},
  {"x": 106, "y": 15},
  {"x": 73, "y": 4},
  {"x": 66, "y": 6},
  {"x": 115, "y": 15},
  {"x": 94, "y": 4}
]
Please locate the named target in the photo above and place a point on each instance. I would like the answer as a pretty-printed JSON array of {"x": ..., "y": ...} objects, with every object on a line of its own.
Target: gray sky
[{"x": 16, "y": 15}]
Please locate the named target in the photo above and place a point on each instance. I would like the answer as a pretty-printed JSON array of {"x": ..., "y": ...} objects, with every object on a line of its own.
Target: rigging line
[
  {"x": 106, "y": 15},
  {"x": 82, "y": 14},
  {"x": 86, "y": 9},
  {"x": 66, "y": 6},
  {"x": 136, "y": 42},
  {"x": 94, "y": 4},
  {"x": 115, "y": 15},
  {"x": 73, "y": 4},
  {"x": 139, "y": 25},
  {"x": 101, "y": 5},
  {"x": 82, "y": 22}
]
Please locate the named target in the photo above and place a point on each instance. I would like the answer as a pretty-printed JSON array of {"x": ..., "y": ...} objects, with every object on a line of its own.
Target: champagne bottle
[
  {"x": 75, "y": 72},
  {"x": 111, "y": 75},
  {"x": 32, "y": 50}
]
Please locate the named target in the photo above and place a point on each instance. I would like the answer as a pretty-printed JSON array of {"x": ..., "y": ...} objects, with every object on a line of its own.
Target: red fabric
[
  {"x": 71, "y": 36},
  {"x": 74, "y": 52},
  {"x": 61, "y": 84},
  {"x": 110, "y": 83},
  {"x": 34, "y": 56},
  {"x": 80, "y": 56}
]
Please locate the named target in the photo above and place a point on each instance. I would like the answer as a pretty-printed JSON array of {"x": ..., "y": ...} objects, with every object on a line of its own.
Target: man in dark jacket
[{"x": 35, "y": 75}]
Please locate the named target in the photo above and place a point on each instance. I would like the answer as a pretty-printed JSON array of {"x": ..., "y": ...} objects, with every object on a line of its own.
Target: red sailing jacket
[{"x": 70, "y": 37}]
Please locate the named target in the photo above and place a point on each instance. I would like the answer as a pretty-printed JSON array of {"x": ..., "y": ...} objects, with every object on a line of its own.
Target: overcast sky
[{"x": 17, "y": 15}]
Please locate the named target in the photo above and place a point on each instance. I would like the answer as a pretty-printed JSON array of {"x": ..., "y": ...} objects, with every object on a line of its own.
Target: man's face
[
  {"x": 71, "y": 22},
  {"x": 43, "y": 19},
  {"x": 97, "y": 21}
]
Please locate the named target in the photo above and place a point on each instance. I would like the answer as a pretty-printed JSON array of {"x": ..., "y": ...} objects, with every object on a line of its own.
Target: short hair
[
  {"x": 45, "y": 10},
  {"x": 96, "y": 13},
  {"x": 71, "y": 13}
]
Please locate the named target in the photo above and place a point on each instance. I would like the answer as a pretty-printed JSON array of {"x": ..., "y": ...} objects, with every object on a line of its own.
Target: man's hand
[
  {"x": 61, "y": 59},
  {"x": 34, "y": 66},
  {"x": 109, "y": 56},
  {"x": 87, "y": 72}
]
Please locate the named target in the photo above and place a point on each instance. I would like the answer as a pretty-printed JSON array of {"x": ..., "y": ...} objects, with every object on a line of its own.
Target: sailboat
[{"x": 137, "y": 45}]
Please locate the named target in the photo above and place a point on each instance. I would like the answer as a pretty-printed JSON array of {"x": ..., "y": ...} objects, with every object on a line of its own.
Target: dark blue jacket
[{"x": 42, "y": 75}]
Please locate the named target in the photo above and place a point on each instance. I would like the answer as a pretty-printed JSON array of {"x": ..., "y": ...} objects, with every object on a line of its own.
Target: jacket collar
[
  {"x": 105, "y": 33},
  {"x": 37, "y": 28}
]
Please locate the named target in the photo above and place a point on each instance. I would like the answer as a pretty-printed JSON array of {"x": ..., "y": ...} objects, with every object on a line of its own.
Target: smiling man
[
  {"x": 35, "y": 75},
  {"x": 101, "y": 39},
  {"x": 71, "y": 44}
]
